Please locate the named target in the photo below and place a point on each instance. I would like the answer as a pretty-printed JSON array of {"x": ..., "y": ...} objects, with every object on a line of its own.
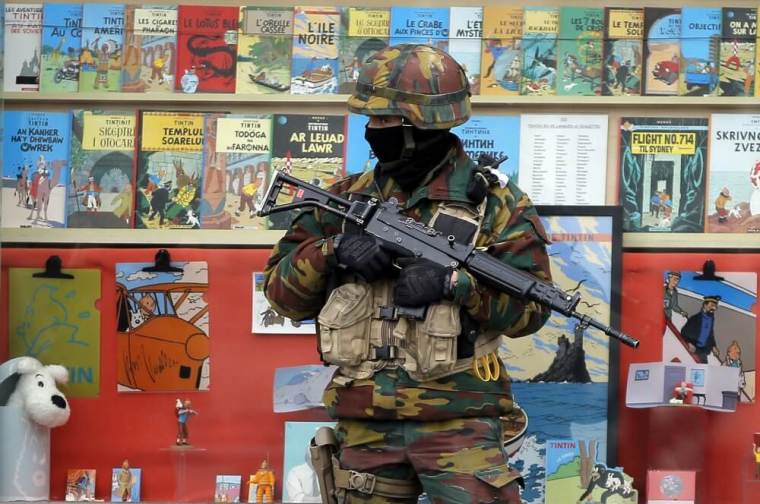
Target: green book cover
[{"x": 580, "y": 51}]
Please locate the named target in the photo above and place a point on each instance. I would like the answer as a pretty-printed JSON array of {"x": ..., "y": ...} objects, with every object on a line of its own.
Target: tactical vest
[{"x": 362, "y": 332}]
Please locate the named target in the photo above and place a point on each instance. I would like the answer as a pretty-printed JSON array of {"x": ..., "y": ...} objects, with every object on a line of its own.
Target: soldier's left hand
[{"x": 421, "y": 282}]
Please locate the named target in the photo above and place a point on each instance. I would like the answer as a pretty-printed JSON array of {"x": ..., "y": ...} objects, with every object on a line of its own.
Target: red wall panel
[{"x": 236, "y": 424}]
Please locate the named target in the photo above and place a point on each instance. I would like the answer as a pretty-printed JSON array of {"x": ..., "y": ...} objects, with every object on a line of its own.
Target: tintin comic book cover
[
  {"x": 150, "y": 49},
  {"x": 501, "y": 52},
  {"x": 265, "y": 44},
  {"x": 316, "y": 39},
  {"x": 580, "y": 51},
  {"x": 623, "y": 51},
  {"x": 61, "y": 43},
  {"x": 663, "y": 174},
  {"x": 539, "y": 64},
  {"x": 364, "y": 32},
  {"x": 101, "y": 187},
  {"x": 737, "y": 51},
  {"x": 662, "y": 50}
]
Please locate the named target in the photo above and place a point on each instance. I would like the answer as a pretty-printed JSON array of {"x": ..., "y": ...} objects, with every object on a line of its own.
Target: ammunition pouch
[{"x": 334, "y": 482}]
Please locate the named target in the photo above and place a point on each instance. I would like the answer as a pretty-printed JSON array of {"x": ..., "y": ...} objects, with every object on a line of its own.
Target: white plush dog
[
  {"x": 30, "y": 405},
  {"x": 37, "y": 394}
]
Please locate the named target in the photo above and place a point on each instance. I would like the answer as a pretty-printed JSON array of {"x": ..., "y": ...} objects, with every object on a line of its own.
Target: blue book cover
[
  {"x": 539, "y": 64},
  {"x": 125, "y": 483},
  {"x": 359, "y": 155},
  {"x": 420, "y": 25},
  {"x": 102, "y": 47},
  {"x": 35, "y": 168},
  {"x": 61, "y": 43},
  {"x": 497, "y": 136},
  {"x": 700, "y": 51}
]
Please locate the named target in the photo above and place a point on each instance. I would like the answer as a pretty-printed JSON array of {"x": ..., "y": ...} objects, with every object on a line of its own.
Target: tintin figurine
[
  {"x": 264, "y": 481},
  {"x": 184, "y": 410},
  {"x": 756, "y": 452}
]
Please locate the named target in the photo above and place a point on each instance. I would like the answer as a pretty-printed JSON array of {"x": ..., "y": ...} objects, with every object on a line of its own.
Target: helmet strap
[{"x": 408, "y": 151}]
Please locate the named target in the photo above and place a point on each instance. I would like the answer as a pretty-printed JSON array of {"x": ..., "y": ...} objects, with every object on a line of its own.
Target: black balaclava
[{"x": 407, "y": 153}]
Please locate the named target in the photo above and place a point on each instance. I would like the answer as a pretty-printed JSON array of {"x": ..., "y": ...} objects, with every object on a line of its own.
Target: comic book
[
  {"x": 539, "y": 64},
  {"x": 61, "y": 43},
  {"x": 465, "y": 34},
  {"x": 580, "y": 51},
  {"x": 316, "y": 38},
  {"x": 267, "y": 321},
  {"x": 150, "y": 49},
  {"x": 169, "y": 169},
  {"x": 309, "y": 147},
  {"x": 501, "y": 54},
  {"x": 700, "y": 51},
  {"x": 265, "y": 43},
  {"x": 237, "y": 154},
  {"x": 80, "y": 485},
  {"x": 23, "y": 29},
  {"x": 125, "y": 484},
  {"x": 35, "y": 168},
  {"x": 662, "y": 50},
  {"x": 737, "y": 51},
  {"x": 359, "y": 155},
  {"x": 623, "y": 51},
  {"x": 365, "y": 31},
  {"x": 101, "y": 189},
  {"x": 734, "y": 187},
  {"x": 662, "y": 172},
  {"x": 420, "y": 25},
  {"x": 496, "y": 136},
  {"x": 227, "y": 488},
  {"x": 206, "y": 49},
  {"x": 300, "y": 480},
  {"x": 102, "y": 47}
]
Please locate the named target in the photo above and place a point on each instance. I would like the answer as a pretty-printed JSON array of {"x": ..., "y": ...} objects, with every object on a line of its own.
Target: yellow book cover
[
  {"x": 368, "y": 22},
  {"x": 501, "y": 51}
]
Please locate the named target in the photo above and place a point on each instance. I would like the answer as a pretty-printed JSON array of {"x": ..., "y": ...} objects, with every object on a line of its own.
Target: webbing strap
[{"x": 370, "y": 484}]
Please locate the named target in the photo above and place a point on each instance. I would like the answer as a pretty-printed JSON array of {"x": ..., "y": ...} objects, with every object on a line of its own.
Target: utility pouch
[
  {"x": 322, "y": 448},
  {"x": 344, "y": 325},
  {"x": 436, "y": 339}
]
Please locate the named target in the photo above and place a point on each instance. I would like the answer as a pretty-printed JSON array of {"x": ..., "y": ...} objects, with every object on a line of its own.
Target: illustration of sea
[
  {"x": 557, "y": 411},
  {"x": 581, "y": 255}
]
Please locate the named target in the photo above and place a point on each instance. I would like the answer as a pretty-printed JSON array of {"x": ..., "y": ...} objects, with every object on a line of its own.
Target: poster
[
  {"x": 686, "y": 302},
  {"x": 563, "y": 369},
  {"x": 57, "y": 322},
  {"x": 733, "y": 200},
  {"x": 563, "y": 158},
  {"x": 299, "y": 479},
  {"x": 265, "y": 320},
  {"x": 125, "y": 483},
  {"x": 300, "y": 387},
  {"x": 162, "y": 328}
]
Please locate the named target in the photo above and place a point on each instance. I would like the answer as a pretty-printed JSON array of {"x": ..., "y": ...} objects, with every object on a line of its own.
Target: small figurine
[
  {"x": 264, "y": 481},
  {"x": 682, "y": 393},
  {"x": 184, "y": 411},
  {"x": 756, "y": 451},
  {"x": 125, "y": 482}
]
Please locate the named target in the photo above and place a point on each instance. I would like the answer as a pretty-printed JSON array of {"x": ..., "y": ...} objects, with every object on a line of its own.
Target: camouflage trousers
[{"x": 457, "y": 461}]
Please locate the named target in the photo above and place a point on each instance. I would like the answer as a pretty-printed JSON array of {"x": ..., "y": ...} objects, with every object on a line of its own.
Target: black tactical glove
[
  {"x": 422, "y": 282},
  {"x": 360, "y": 254}
]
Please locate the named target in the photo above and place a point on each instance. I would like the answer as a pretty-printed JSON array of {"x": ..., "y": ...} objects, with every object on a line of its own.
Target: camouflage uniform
[{"x": 446, "y": 432}]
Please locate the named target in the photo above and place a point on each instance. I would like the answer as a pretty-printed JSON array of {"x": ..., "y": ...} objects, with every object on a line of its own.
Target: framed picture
[{"x": 561, "y": 375}]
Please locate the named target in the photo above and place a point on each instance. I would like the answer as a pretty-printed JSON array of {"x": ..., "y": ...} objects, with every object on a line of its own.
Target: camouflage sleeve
[
  {"x": 295, "y": 277},
  {"x": 513, "y": 233}
]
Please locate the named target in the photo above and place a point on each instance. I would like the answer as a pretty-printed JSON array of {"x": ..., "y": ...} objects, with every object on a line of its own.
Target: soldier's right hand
[{"x": 361, "y": 254}]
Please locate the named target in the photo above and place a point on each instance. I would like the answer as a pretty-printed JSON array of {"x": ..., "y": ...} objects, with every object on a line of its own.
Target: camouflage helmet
[{"x": 419, "y": 82}]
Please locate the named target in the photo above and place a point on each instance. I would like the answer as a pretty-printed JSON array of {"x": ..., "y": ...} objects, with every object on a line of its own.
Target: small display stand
[{"x": 182, "y": 457}]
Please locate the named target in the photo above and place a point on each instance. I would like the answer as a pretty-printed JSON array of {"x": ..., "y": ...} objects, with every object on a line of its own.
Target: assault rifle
[{"x": 397, "y": 232}]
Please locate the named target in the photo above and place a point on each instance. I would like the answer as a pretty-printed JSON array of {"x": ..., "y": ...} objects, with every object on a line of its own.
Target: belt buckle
[
  {"x": 385, "y": 352},
  {"x": 361, "y": 482}
]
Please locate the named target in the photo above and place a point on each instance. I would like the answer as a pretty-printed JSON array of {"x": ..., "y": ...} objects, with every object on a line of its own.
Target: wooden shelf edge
[
  {"x": 478, "y": 100},
  {"x": 139, "y": 237},
  {"x": 267, "y": 238}
]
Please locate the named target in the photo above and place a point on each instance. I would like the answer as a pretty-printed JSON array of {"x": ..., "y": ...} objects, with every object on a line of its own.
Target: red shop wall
[
  {"x": 718, "y": 445},
  {"x": 235, "y": 421}
]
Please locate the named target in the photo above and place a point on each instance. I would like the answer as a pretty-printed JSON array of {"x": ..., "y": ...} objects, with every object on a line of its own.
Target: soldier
[{"x": 414, "y": 412}]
